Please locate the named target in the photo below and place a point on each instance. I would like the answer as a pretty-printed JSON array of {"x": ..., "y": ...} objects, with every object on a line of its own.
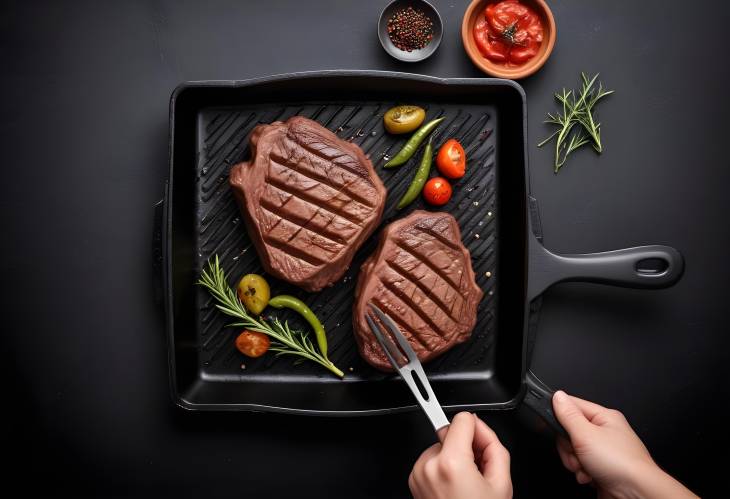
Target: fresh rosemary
[
  {"x": 577, "y": 110},
  {"x": 285, "y": 340}
]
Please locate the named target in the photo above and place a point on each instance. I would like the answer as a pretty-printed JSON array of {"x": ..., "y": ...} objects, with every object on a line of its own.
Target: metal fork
[{"x": 405, "y": 361}]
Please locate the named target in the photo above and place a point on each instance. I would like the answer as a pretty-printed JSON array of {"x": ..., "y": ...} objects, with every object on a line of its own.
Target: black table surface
[{"x": 84, "y": 105}]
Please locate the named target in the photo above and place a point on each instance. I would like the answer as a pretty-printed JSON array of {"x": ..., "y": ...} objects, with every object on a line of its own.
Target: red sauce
[{"x": 508, "y": 32}]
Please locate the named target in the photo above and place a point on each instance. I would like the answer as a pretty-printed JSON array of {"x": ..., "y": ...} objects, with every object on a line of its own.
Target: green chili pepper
[
  {"x": 424, "y": 169},
  {"x": 286, "y": 301},
  {"x": 410, "y": 148}
]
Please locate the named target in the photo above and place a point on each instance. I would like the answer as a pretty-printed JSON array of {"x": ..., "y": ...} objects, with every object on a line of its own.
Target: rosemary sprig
[
  {"x": 285, "y": 340},
  {"x": 577, "y": 110}
]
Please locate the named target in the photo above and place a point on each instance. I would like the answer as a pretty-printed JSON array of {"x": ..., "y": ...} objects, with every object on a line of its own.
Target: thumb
[{"x": 570, "y": 415}]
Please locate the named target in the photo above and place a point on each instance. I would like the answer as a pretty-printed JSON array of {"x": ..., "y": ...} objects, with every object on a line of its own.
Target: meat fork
[{"x": 405, "y": 361}]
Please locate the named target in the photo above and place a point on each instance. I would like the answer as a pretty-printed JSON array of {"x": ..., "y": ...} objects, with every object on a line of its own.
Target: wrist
[
  {"x": 649, "y": 481},
  {"x": 636, "y": 483},
  {"x": 644, "y": 480}
]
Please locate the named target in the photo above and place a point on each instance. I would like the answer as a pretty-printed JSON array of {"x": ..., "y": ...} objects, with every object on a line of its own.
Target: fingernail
[{"x": 560, "y": 397}]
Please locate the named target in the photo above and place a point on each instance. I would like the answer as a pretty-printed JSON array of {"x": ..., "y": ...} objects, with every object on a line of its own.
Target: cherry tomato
[
  {"x": 252, "y": 343},
  {"x": 437, "y": 191},
  {"x": 451, "y": 160}
]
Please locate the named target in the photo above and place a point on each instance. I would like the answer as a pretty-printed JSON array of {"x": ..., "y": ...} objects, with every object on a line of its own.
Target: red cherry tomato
[
  {"x": 252, "y": 343},
  {"x": 451, "y": 160},
  {"x": 437, "y": 191}
]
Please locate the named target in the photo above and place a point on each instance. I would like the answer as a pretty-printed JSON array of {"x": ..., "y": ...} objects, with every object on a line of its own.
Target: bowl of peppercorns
[{"x": 410, "y": 30}]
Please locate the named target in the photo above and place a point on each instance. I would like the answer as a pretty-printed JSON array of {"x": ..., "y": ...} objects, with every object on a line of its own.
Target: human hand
[
  {"x": 605, "y": 450},
  {"x": 470, "y": 464}
]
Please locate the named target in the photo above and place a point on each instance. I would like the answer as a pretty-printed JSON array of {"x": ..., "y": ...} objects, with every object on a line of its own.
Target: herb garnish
[
  {"x": 578, "y": 109},
  {"x": 285, "y": 340},
  {"x": 508, "y": 35}
]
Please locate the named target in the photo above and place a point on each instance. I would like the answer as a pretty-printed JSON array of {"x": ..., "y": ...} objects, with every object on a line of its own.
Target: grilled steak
[
  {"x": 309, "y": 200},
  {"x": 421, "y": 276}
]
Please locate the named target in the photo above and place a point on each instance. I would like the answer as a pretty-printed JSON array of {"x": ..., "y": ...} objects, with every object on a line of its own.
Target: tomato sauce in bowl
[
  {"x": 508, "y": 32},
  {"x": 518, "y": 34}
]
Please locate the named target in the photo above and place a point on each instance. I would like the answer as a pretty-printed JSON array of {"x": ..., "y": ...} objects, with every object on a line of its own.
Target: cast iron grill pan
[{"x": 222, "y": 141}]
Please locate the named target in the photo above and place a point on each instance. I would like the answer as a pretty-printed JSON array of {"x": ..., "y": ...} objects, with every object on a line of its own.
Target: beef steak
[
  {"x": 309, "y": 200},
  {"x": 421, "y": 276}
]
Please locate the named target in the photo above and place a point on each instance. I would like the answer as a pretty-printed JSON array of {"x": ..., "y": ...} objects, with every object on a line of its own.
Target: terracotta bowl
[{"x": 476, "y": 9}]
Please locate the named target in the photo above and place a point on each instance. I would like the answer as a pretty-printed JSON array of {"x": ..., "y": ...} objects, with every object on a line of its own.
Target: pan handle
[
  {"x": 641, "y": 267},
  {"x": 539, "y": 398}
]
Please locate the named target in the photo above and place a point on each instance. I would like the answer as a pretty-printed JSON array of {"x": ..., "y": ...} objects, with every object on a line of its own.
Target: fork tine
[
  {"x": 402, "y": 341},
  {"x": 391, "y": 351},
  {"x": 409, "y": 371}
]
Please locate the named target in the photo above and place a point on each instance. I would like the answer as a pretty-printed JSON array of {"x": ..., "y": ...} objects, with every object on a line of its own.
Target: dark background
[{"x": 83, "y": 128}]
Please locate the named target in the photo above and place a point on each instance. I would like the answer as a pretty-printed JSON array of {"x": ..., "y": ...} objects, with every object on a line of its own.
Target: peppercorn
[{"x": 410, "y": 29}]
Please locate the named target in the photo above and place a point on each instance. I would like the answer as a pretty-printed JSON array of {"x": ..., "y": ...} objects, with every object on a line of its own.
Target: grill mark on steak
[
  {"x": 321, "y": 168},
  {"x": 326, "y": 193},
  {"x": 431, "y": 280},
  {"x": 409, "y": 302},
  {"x": 402, "y": 325},
  {"x": 308, "y": 238},
  {"x": 424, "y": 289},
  {"x": 353, "y": 165},
  {"x": 312, "y": 215},
  {"x": 301, "y": 222},
  {"x": 441, "y": 238},
  {"x": 296, "y": 217},
  {"x": 313, "y": 200},
  {"x": 425, "y": 261},
  {"x": 325, "y": 179},
  {"x": 293, "y": 251}
]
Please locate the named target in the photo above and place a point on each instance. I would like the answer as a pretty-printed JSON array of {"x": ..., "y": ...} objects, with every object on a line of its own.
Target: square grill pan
[{"x": 210, "y": 128}]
